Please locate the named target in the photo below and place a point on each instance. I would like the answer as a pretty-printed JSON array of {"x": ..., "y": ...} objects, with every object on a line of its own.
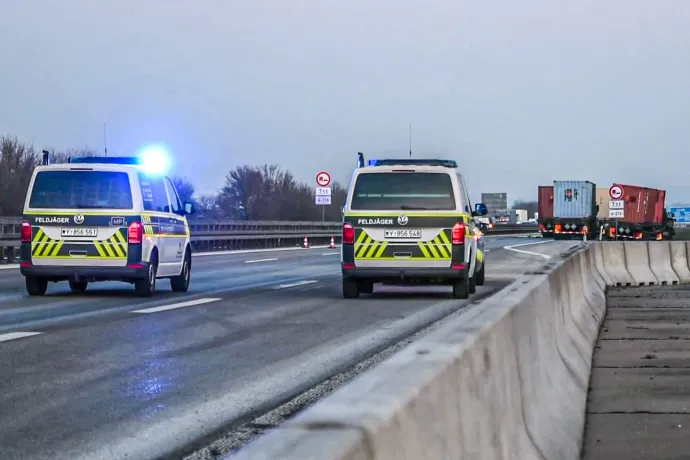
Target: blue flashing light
[
  {"x": 414, "y": 162},
  {"x": 107, "y": 160},
  {"x": 154, "y": 160}
]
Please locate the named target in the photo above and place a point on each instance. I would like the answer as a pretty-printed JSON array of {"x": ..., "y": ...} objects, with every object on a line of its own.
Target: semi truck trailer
[
  {"x": 644, "y": 216},
  {"x": 574, "y": 209},
  {"x": 545, "y": 210}
]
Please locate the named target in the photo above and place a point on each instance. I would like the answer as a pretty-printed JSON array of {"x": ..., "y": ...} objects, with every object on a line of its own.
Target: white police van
[
  {"x": 411, "y": 221},
  {"x": 104, "y": 219}
]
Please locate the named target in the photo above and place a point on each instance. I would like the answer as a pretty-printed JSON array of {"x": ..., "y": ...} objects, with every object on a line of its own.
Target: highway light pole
[{"x": 105, "y": 139}]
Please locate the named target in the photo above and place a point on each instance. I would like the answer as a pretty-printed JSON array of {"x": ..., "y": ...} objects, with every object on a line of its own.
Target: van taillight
[
  {"x": 459, "y": 233},
  {"x": 348, "y": 233},
  {"x": 135, "y": 233},
  {"x": 26, "y": 232}
]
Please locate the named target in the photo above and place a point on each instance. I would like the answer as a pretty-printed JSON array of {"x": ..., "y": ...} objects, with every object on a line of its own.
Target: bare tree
[
  {"x": 207, "y": 208},
  {"x": 185, "y": 189},
  {"x": 17, "y": 162},
  {"x": 264, "y": 192}
]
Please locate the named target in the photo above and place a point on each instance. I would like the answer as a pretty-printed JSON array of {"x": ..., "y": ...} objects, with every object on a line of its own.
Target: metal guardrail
[
  {"x": 506, "y": 229},
  {"x": 211, "y": 235}
]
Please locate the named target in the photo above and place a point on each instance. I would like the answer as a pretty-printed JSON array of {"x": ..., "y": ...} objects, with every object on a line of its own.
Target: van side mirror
[
  {"x": 480, "y": 209},
  {"x": 189, "y": 208}
]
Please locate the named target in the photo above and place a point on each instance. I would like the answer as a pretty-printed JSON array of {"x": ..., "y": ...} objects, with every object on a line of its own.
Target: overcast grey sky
[{"x": 522, "y": 92}]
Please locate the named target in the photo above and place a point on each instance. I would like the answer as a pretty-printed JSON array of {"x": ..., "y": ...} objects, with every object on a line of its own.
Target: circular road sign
[
  {"x": 323, "y": 179},
  {"x": 616, "y": 192}
]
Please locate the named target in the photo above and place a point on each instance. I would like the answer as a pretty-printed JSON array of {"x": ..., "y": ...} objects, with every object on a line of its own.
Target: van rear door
[
  {"x": 79, "y": 217},
  {"x": 403, "y": 218}
]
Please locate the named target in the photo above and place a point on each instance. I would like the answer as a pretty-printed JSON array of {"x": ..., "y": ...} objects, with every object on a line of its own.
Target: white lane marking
[
  {"x": 16, "y": 335},
  {"x": 487, "y": 250},
  {"x": 298, "y": 283},
  {"x": 8, "y": 267},
  {"x": 173, "y": 306},
  {"x": 521, "y": 251},
  {"x": 330, "y": 254},
  {"x": 259, "y": 260},
  {"x": 512, "y": 235},
  {"x": 251, "y": 251}
]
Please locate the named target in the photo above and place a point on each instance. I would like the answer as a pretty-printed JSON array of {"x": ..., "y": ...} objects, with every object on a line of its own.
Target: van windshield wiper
[
  {"x": 83, "y": 206},
  {"x": 414, "y": 208}
]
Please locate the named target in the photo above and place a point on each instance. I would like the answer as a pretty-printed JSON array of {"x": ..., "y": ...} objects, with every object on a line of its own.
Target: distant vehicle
[{"x": 410, "y": 221}]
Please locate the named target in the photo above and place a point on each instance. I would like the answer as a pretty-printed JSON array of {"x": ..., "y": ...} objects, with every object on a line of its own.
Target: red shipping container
[
  {"x": 545, "y": 202},
  {"x": 660, "y": 210},
  {"x": 641, "y": 204}
]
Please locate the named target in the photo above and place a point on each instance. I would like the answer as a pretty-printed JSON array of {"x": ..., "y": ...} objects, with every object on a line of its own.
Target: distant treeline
[{"x": 250, "y": 192}]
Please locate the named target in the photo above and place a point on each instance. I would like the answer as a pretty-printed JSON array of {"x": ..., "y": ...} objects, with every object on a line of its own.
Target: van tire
[
  {"x": 365, "y": 286},
  {"x": 479, "y": 277},
  {"x": 180, "y": 283},
  {"x": 78, "y": 286},
  {"x": 472, "y": 287},
  {"x": 36, "y": 285},
  {"x": 350, "y": 290},
  {"x": 461, "y": 288},
  {"x": 147, "y": 286}
]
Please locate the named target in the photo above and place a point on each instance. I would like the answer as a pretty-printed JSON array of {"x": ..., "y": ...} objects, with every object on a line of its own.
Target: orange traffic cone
[
  {"x": 332, "y": 245},
  {"x": 306, "y": 242}
]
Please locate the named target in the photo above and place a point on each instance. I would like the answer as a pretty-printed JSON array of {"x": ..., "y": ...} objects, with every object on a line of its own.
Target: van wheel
[
  {"x": 78, "y": 286},
  {"x": 479, "y": 277},
  {"x": 180, "y": 283},
  {"x": 461, "y": 288},
  {"x": 350, "y": 290},
  {"x": 473, "y": 284},
  {"x": 36, "y": 286},
  {"x": 147, "y": 286},
  {"x": 365, "y": 287}
]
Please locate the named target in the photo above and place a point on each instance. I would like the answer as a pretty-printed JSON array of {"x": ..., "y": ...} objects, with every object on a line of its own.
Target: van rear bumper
[
  {"x": 401, "y": 274},
  {"x": 59, "y": 273}
]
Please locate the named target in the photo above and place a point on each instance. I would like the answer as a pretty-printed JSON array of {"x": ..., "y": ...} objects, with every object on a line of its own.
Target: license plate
[
  {"x": 403, "y": 233},
  {"x": 88, "y": 232}
]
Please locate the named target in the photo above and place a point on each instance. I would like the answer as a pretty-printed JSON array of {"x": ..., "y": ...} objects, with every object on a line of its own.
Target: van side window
[
  {"x": 174, "y": 197},
  {"x": 153, "y": 193},
  {"x": 466, "y": 204}
]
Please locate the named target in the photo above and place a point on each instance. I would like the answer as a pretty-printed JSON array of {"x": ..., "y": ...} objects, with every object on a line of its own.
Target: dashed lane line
[
  {"x": 295, "y": 284},
  {"x": 174, "y": 306},
  {"x": 260, "y": 260},
  {"x": 16, "y": 335}
]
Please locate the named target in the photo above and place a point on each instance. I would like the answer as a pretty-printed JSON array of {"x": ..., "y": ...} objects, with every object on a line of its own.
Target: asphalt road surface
[{"x": 105, "y": 374}]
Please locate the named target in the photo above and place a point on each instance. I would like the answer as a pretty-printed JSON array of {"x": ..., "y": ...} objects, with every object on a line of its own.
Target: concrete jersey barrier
[{"x": 506, "y": 381}]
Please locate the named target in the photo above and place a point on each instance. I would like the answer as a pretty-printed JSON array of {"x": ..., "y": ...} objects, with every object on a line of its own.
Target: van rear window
[
  {"x": 403, "y": 191},
  {"x": 81, "y": 190}
]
